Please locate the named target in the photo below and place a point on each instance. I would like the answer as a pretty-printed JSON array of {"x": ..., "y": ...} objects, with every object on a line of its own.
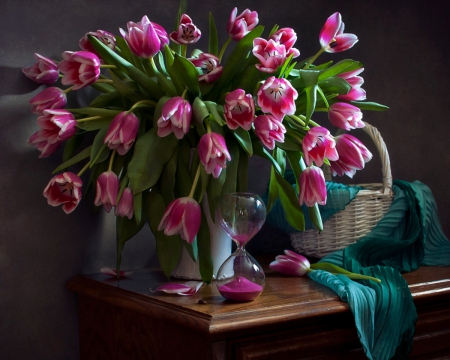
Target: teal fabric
[
  {"x": 407, "y": 237},
  {"x": 338, "y": 196}
]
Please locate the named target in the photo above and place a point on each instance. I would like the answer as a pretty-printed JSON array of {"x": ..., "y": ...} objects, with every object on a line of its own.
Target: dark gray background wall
[{"x": 405, "y": 48}]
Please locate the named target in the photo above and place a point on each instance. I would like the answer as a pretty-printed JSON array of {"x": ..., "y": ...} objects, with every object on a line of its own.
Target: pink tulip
[
  {"x": 286, "y": 37},
  {"x": 43, "y": 71},
  {"x": 332, "y": 37},
  {"x": 182, "y": 216},
  {"x": 209, "y": 65},
  {"x": 55, "y": 127},
  {"x": 49, "y": 98},
  {"x": 356, "y": 93},
  {"x": 145, "y": 38},
  {"x": 187, "y": 32},
  {"x": 291, "y": 264},
  {"x": 213, "y": 153},
  {"x": 317, "y": 145},
  {"x": 277, "y": 96},
  {"x": 107, "y": 189},
  {"x": 352, "y": 156},
  {"x": 345, "y": 116},
  {"x": 239, "y": 26},
  {"x": 176, "y": 117},
  {"x": 105, "y": 37},
  {"x": 271, "y": 54},
  {"x": 81, "y": 68},
  {"x": 313, "y": 188},
  {"x": 64, "y": 189},
  {"x": 269, "y": 129},
  {"x": 122, "y": 132},
  {"x": 239, "y": 109},
  {"x": 125, "y": 204}
]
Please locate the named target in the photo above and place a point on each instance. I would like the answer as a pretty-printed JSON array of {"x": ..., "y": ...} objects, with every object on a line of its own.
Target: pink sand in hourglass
[{"x": 240, "y": 289}]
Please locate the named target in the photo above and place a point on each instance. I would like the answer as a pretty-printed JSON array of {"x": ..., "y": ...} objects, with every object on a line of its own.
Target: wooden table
[{"x": 294, "y": 318}]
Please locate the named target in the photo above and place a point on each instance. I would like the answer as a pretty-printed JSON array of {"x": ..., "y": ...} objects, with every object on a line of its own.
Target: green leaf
[
  {"x": 367, "y": 105},
  {"x": 167, "y": 183},
  {"x": 243, "y": 137},
  {"x": 242, "y": 175},
  {"x": 260, "y": 151},
  {"x": 234, "y": 64},
  {"x": 289, "y": 201},
  {"x": 213, "y": 109},
  {"x": 137, "y": 207},
  {"x": 76, "y": 159},
  {"x": 213, "y": 47},
  {"x": 99, "y": 150},
  {"x": 93, "y": 111},
  {"x": 340, "y": 67},
  {"x": 168, "y": 248},
  {"x": 124, "y": 90},
  {"x": 273, "y": 190},
  {"x": 106, "y": 100},
  {"x": 199, "y": 111},
  {"x": 186, "y": 73},
  {"x": 169, "y": 67},
  {"x": 70, "y": 146},
  {"x": 125, "y": 230},
  {"x": 134, "y": 73},
  {"x": 127, "y": 54},
  {"x": 335, "y": 85},
  {"x": 310, "y": 80},
  {"x": 232, "y": 168},
  {"x": 205, "y": 261},
  {"x": 151, "y": 153}
]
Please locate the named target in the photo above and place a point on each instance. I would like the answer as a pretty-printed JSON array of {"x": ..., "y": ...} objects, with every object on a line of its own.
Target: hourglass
[{"x": 241, "y": 215}]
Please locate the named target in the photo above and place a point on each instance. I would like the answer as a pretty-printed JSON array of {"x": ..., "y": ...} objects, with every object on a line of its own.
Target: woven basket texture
[{"x": 358, "y": 218}]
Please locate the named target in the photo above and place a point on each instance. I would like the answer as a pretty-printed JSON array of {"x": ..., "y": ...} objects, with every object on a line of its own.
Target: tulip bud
[
  {"x": 145, "y": 38},
  {"x": 213, "y": 153},
  {"x": 43, "y": 71},
  {"x": 313, "y": 188},
  {"x": 182, "y": 216},
  {"x": 345, "y": 116},
  {"x": 122, "y": 132},
  {"x": 332, "y": 37},
  {"x": 49, "y": 98},
  {"x": 291, "y": 264},
  {"x": 55, "y": 127},
  {"x": 269, "y": 129},
  {"x": 271, "y": 54},
  {"x": 239, "y": 26},
  {"x": 239, "y": 109},
  {"x": 317, "y": 145},
  {"x": 107, "y": 189},
  {"x": 125, "y": 204},
  {"x": 81, "y": 68},
  {"x": 176, "y": 117}
]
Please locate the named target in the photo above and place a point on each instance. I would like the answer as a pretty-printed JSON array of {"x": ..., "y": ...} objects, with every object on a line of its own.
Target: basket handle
[{"x": 384, "y": 156}]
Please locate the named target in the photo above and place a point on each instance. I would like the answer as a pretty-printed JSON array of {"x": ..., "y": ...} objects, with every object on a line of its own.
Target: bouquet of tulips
[{"x": 171, "y": 124}]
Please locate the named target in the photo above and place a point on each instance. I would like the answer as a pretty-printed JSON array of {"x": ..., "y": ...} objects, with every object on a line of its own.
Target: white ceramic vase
[{"x": 220, "y": 251}]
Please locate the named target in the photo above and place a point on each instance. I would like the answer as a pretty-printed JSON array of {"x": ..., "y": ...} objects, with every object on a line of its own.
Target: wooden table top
[{"x": 284, "y": 299}]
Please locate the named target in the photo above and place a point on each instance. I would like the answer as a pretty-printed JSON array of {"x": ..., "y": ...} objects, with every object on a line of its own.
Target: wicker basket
[{"x": 358, "y": 218}]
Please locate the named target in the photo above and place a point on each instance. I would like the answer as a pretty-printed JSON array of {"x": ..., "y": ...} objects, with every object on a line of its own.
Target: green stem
[
  {"x": 111, "y": 161},
  {"x": 308, "y": 64},
  {"x": 68, "y": 89},
  {"x": 106, "y": 66},
  {"x": 183, "y": 50},
  {"x": 91, "y": 118},
  {"x": 106, "y": 81},
  {"x": 194, "y": 184},
  {"x": 222, "y": 51},
  {"x": 84, "y": 169},
  {"x": 142, "y": 103}
]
